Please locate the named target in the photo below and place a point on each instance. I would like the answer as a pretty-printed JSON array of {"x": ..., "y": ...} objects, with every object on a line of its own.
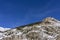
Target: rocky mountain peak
[
  {"x": 50, "y": 19},
  {"x": 48, "y": 29}
]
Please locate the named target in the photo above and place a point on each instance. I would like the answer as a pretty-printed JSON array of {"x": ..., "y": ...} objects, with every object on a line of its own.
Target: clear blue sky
[{"x": 20, "y": 12}]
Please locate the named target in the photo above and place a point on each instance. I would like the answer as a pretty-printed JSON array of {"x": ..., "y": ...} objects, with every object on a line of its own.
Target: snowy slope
[
  {"x": 4, "y": 29},
  {"x": 48, "y": 29}
]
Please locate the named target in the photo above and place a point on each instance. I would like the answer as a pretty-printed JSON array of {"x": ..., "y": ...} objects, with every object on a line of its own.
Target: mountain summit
[{"x": 47, "y": 29}]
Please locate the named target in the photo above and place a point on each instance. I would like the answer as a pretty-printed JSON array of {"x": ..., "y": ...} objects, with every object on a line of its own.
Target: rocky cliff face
[{"x": 48, "y": 29}]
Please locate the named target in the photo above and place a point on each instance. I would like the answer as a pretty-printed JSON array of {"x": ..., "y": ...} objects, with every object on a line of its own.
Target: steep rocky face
[{"x": 48, "y": 29}]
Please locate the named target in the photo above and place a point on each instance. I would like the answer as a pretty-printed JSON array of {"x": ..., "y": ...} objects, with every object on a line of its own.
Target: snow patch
[{"x": 4, "y": 29}]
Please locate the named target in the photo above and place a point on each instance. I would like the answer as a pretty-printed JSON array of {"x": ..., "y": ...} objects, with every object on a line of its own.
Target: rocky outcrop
[{"x": 48, "y": 29}]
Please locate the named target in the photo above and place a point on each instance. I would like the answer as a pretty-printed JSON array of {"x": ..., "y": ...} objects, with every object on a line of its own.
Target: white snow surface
[{"x": 4, "y": 29}]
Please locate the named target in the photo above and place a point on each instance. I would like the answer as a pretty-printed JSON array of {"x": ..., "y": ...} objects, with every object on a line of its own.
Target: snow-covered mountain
[{"x": 47, "y": 29}]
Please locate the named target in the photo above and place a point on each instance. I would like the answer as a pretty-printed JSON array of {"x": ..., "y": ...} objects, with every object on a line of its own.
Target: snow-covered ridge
[
  {"x": 48, "y": 29},
  {"x": 4, "y": 29}
]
